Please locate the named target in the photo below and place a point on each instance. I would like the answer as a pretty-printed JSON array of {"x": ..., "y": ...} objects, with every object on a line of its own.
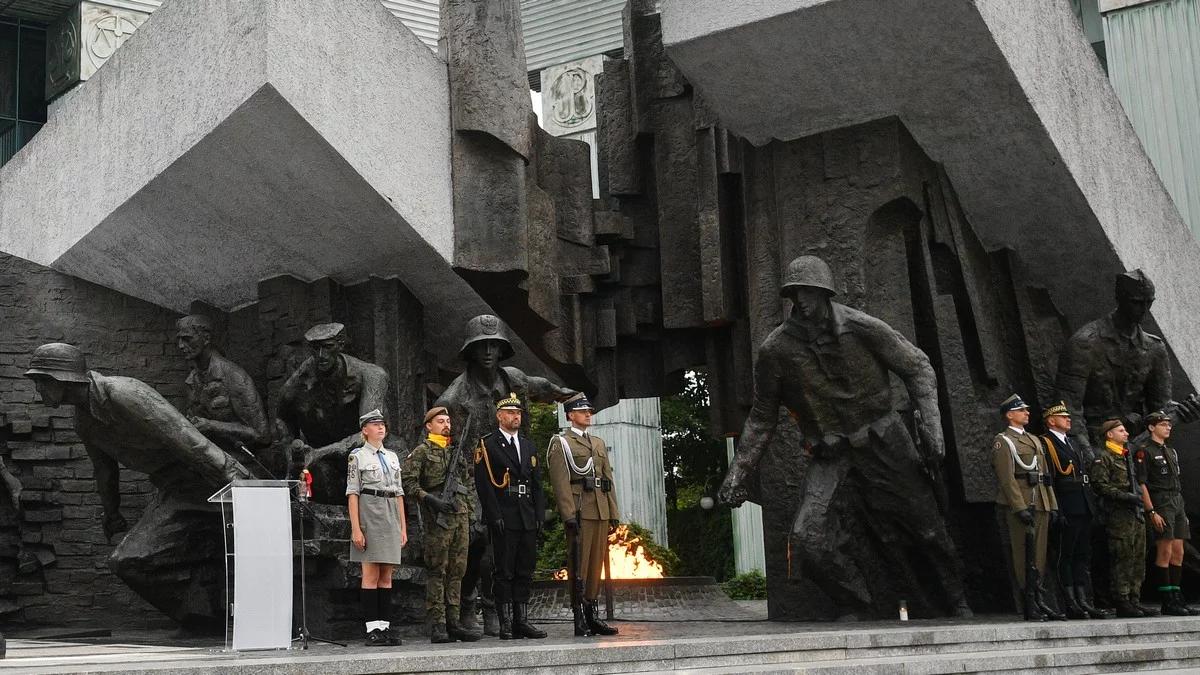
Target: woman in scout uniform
[
  {"x": 377, "y": 524},
  {"x": 1157, "y": 466}
]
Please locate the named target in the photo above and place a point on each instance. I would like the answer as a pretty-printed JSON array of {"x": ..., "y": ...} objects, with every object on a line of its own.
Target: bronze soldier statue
[
  {"x": 472, "y": 396},
  {"x": 831, "y": 367},
  {"x": 321, "y": 403},
  {"x": 1112, "y": 368},
  {"x": 173, "y": 555},
  {"x": 222, "y": 401}
]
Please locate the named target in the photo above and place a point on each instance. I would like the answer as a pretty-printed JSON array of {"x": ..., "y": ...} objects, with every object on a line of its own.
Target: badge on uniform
[{"x": 533, "y": 461}]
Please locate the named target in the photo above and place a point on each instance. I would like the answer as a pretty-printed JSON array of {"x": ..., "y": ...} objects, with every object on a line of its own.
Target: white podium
[{"x": 259, "y": 555}]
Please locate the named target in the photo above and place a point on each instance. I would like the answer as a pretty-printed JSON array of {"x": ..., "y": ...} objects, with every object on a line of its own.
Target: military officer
[
  {"x": 1115, "y": 482},
  {"x": 1158, "y": 471},
  {"x": 378, "y": 532},
  {"x": 510, "y": 488},
  {"x": 1024, "y": 490},
  {"x": 1076, "y": 505},
  {"x": 582, "y": 476},
  {"x": 446, "y": 523}
]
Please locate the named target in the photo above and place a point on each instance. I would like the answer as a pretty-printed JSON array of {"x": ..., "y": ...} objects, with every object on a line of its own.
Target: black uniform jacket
[
  {"x": 1074, "y": 494},
  {"x": 493, "y": 460}
]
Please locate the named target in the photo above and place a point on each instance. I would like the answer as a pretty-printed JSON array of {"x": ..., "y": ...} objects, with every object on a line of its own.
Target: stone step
[{"x": 1170, "y": 657}]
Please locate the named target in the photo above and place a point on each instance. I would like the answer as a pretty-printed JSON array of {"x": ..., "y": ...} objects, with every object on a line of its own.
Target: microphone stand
[{"x": 303, "y": 636}]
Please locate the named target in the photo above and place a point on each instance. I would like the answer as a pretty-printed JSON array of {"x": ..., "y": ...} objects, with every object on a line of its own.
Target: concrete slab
[
  {"x": 1007, "y": 94},
  {"x": 232, "y": 141}
]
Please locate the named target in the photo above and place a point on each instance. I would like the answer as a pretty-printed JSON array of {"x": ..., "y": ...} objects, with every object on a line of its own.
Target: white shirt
[
  {"x": 579, "y": 432},
  {"x": 1059, "y": 435},
  {"x": 1019, "y": 431},
  {"x": 512, "y": 439}
]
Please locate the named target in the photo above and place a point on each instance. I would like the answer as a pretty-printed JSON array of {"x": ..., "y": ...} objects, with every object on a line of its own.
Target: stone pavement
[{"x": 986, "y": 644}]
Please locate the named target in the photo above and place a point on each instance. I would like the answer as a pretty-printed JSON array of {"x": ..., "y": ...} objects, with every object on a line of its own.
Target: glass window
[{"x": 8, "y": 70}]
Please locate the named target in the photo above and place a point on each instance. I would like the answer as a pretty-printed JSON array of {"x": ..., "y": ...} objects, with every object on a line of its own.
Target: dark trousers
[
  {"x": 479, "y": 570},
  {"x": 516, "y": 555},
  {"x": 1075, "y": 550}
]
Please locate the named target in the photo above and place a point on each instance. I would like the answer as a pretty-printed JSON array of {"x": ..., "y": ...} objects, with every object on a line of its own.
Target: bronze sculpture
[
  {"x": 172, "y": 555},
  {"x": 830, "y": 366}
]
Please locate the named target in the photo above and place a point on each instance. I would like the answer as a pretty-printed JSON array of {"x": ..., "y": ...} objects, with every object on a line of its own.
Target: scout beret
[
  {"x": 511, "y": 402},
  {"x": 373, "y": 416},
  {"x": 1059, "y": 408},
  {"x": 1156, "y": 417},
  {"x": 1111, "y": 424},
  {"x": 1012, "y": 403},
  {"x": 323, "y": 331},
  {"x": 577, "y": 402},
  {"x": 434, "y": 412}
]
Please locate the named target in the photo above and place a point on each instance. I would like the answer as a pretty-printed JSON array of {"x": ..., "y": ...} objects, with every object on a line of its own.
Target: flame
[{"x": 626, "y": 558}]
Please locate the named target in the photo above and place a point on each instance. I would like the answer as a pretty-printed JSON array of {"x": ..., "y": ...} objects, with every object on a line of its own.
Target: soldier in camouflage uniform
[
  {"x": 1115, "y": 483},
  {"x": 445, "y": 542}
]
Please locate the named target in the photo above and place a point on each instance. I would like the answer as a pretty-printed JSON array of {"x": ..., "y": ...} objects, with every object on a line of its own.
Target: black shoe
[
  {"x": 459, "y": 632},
  {"x": 581, "y": 626},
  {"x": 1128, "y": 610},
  {"x": 504, "y": 620},
  {"x": 438, "y": 634},
  {"x": 1086, "y": 605},
  {"x": 376, "y": 638},
  {"x": 1071, "y": 604},
  {"x": 1181, "y": 602},
  {"x": 520, "y": 623},
  {"x": 594, "y": 621}
]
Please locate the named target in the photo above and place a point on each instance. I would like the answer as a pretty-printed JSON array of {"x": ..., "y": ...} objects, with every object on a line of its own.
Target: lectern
[{"x": 256, "y": 515}]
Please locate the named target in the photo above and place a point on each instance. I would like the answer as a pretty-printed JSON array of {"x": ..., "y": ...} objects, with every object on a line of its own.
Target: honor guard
[
  {"x": 375, "y": 499},
  {"x": 582, "y": 476},
  {"x": 1115, "y": 481},
  {"x": 443, "y": 481},
  {"x": 510, "y": 488},
  {"x": 1076, "y": 505},
  {"x": 1157, "y": 466},
  {"x": 1024, "y": 492}
]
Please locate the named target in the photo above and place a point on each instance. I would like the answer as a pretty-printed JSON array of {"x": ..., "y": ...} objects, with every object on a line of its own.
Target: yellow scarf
[
  {"x": 1115, "y": 448},
  {"x": 439, "y": 440}
]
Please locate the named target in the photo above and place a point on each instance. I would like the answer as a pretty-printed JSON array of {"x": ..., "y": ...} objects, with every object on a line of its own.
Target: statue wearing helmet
[
  {"x": 831, "y": 366},
  {"x": 473, "y": 395},
  {"x": 172, "y": 556}
]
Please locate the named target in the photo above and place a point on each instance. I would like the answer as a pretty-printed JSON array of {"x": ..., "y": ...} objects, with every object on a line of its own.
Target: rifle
[
  {"x": 453, "y": 484},
  {"x": 1139, "y": 508},
  {"x": 931, "y": 466}
]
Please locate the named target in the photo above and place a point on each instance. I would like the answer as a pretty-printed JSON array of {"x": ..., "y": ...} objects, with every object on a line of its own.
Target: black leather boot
[
  {"x": 581, "y": 625},
  {"x": 466, "y": 615},
  {"x": 594, "y": 621},
  {"x": 1182, "y": 602},
  {"x": 1127, "y": 609},
  {"x": 504, "y": 619},
  {"x": 459, "y": 632},
  {"x": 438, "y": 634},
  {"x": 1071, "y": 604},
  {"x": 520, "y": 624},
  {"x": 491, "y": 622},
  {"x": 1042, "y": 605},
  {"x": 1085, "y": 602}
]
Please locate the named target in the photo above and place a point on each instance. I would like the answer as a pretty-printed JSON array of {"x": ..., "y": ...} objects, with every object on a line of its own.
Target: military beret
[
  {"x": 374, "y": 416},
  {"x": 323, "y": 331},
  {"x": 1059, "y": 408},
  {"x": 434, "y": 412},
  {"x": 511, "y": 402},
  {"x": 1157, "y": 417},
  {"x": 1111, "y": 424},
  {"x": 1012, "y": 403},
  {"x": 577, "y": 402}
]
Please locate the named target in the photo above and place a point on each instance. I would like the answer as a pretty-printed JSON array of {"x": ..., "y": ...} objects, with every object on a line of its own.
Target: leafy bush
[
  {"x": 703, "y": 542},
  {"x": 749, "y": 586},
  {"x": 552, "y": 555}
]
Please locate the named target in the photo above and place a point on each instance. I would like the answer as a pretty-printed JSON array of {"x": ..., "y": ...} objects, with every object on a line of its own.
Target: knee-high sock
[
  {"x": 1176, "y": 576},
  {"x": 384, "y": 598},
  {"x": 1164, "y": 577},
  {"x": 370, "y": 605}
]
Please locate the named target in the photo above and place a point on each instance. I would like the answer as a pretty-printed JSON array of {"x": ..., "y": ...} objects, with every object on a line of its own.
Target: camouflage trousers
[
  {"x": 1127, "y": 554},
  {"x": 445, "y": 554}
]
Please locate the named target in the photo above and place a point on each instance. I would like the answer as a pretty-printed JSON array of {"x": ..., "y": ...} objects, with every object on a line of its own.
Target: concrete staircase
[{"x": 1112, "y": 646}]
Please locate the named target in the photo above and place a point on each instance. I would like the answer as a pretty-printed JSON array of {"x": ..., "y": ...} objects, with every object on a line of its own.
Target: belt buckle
[
  {"x": 522, "y": 489},
  {"x": 1085, "y": 479}
]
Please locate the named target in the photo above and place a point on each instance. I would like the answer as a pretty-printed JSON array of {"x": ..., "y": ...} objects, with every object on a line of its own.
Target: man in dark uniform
[
  {"x": 1158, "y": 471},
  {"x": 1027, "y": 501},
  {"x": 1115, "y": 482},
  {"x": 222, "y": 401},
  {"x": 446, "y": 523},
  {"x": 172, "y": 556},
  {"x": 582, "y": 475},
  {"x": 1111, "y": 368},
  {"x": 321, "y": 402},
  {"x": 510, "y": 488},
  {"x": 1075, "y": 506},
  {"x": 832, "y": 367},
  {"x": 472, "y": 396}
]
